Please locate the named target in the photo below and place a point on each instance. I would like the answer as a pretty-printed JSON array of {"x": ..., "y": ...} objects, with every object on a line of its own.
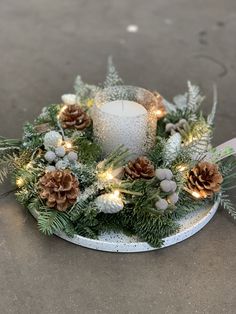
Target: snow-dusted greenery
[{"x": 181, "y": 150}]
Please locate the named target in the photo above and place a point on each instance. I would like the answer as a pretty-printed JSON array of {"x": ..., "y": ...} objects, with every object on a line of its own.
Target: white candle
[{"x": 121, "y": 122}]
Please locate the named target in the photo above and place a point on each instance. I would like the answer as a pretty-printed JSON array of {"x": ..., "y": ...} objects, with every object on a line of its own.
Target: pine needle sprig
[
  {"x": 52, "y": 221},
  {"x": 10, "y": 143},
  {"x": 7, "y": 165},
  {"x": 117, "y": 158},
  {"x": 227, "y": 204}
]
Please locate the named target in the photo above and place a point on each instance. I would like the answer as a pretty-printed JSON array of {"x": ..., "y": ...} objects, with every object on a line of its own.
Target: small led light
[
  {"x": 20, "y": 182},
  {"x": 109, "y": 176},
  {"x": 196, "y": 194},
  {"x": 181, "y": 167},
  {"x": 68, "y": 145},
  {"x": 61, "y": 111},
  {"x": 106, "y": 175},
  {"x": 29, "y": 165},
  {"x": 116, "y": 193},
  {"x": 159, "y": 113}
]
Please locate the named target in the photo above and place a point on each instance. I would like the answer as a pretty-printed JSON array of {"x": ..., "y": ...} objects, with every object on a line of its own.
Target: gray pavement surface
[{"x": 43, "y": 45}]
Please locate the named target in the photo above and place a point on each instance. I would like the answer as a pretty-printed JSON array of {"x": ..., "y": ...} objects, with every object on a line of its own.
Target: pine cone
[
  {"x": 59, "y": 188},
  {"x": 204, "y": 179},
  {"x": 74, "y": 117},
  {"x": 140, "y": 168}
]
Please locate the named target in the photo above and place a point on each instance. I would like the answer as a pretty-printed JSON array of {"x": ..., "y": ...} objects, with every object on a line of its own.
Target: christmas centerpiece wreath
[{"x": 119, "y": 168}]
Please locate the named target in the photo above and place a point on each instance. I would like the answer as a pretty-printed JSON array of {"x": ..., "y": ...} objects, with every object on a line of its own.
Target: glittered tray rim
[{"x": 118, "y": 242}]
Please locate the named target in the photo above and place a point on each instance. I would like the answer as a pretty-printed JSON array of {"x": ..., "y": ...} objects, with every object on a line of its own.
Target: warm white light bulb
[
  {"x": 196, "y": 194},
  {"x": 68, "y": 145},
  {"x": 181, "y": 167},
  {"x": 20, "y": 182},
  {"x": 116, "y": 193},
  {"x": 109, "y": 176},
  {"x": 61, "y": 111}
]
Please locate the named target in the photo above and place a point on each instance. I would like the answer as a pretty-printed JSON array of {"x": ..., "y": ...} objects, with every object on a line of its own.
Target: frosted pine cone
[{"x": 109, "y": 203}]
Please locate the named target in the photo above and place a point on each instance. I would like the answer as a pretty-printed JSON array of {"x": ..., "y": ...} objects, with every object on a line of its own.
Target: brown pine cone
[
  {"x": 59, "y": 188},
  {"x": 140, "y": 168},
  {"x": 74, "y": 117},
  {"x": 204, "y": 179}
]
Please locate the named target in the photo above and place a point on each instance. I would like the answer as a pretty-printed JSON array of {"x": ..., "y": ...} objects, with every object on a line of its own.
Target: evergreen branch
[
  {"x": 117, "y": 158},
  {"x": 52, "y": 221},
  {"x": 7, "y": 165},
  {"x": 227, "y": 166},
  {"x": 226, "y": 203},
  {"x": 10, "y": 143}
]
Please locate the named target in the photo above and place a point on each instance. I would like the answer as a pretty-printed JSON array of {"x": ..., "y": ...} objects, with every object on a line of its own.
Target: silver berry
[
  {"x": 161, "y": 204},
  {"x": 173, "y": 198},
  {"x": 61, "y": 165},
  {"x": 160, "y": 174},
  {"x": 168, "y": 174},
  {"x": 173, "y": 185},
  {"x": 72, "y": 156},
  {"x": 52, "y": 139},
  {"x": 50, "y": 168},
  {"x": 166, "y": 186},
  {"x": 50, "y": 156},
  {"x": 60, "y": 151}
]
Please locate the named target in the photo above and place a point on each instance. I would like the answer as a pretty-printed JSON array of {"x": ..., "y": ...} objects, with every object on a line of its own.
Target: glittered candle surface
[{"x": 122, "y": 121}]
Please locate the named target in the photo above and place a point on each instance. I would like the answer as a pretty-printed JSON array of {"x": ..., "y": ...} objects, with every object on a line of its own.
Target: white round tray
[{"x": 118, "y": 242}]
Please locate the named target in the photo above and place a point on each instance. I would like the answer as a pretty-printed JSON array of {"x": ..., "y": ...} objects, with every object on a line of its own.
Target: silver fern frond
[
  {"x": 181, "y": 101},
  {"x": 172, "y": 148},
  {"x": 169, "y": 106},
  {"x": 194, "y": 98}
]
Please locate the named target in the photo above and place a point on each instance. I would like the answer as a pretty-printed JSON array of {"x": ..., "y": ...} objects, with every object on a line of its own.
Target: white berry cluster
[
  {"x": 168, "y": 186},
  {"x": 56, "y": 154}
]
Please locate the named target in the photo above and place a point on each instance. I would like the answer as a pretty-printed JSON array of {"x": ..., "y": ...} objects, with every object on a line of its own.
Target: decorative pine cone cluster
[
  {"x": 59, "y": 188},
  {"x": 140, "y": 168},
  {"x": 73, "y": 116},
  {"x": 204, "y": 179}
]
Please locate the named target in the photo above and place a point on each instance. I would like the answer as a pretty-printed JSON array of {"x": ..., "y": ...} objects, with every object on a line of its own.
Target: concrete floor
[{"x": 43, "y": 45}]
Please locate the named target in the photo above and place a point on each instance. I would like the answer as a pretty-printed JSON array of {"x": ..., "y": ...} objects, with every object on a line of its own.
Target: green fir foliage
[
  {"x": 140, "y": 217},
  {"x": 52, "y": 221}
]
